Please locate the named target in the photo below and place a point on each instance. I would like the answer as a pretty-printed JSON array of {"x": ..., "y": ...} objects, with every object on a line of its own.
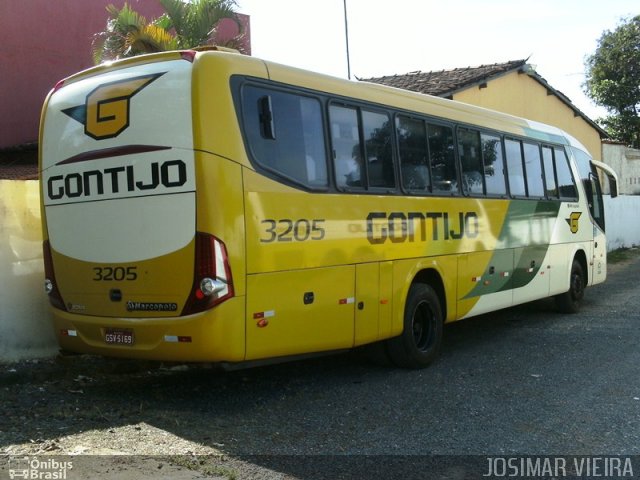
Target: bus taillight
[
  {"x": 212, "y": 283},
  {"x": 50, "y": 285}
]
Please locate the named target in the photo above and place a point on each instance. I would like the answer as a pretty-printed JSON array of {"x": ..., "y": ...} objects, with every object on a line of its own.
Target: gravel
[{"x": 522, "y": 381}]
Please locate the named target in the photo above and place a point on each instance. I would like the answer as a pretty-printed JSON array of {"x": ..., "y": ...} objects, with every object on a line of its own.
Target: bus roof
[{"x": 356, "y": 90}]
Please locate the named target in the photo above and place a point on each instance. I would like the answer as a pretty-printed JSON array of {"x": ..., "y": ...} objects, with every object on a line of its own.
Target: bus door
[
  {"x": 596, "y": 206},
  {"x": 373, "y": 302},
  {"x": 596, "y": 209}
]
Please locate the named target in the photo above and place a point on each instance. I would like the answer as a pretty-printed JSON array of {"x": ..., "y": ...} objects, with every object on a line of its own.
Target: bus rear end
[{"x": 130, "y": 271}]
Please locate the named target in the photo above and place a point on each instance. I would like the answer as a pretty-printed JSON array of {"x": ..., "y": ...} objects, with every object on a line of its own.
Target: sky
[{"x": 400, "y": 36}]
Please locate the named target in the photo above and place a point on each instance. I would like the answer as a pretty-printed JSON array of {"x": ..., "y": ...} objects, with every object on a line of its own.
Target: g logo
[
  {"x": 105, "y": 113},
  {"x": 574, "y": 225}
]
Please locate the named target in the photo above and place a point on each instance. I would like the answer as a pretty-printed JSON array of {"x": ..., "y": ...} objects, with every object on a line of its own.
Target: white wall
[
  {"x": 25, "y": 325},
  {"x": 622, "y": 221},
  {"x": 626, "y": 163}
]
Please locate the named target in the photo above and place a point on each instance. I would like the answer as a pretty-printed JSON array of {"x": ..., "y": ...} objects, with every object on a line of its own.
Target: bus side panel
[
  {"x": 573, "y": 233},
  {"x": 484, "y": 282},
  {"x": 405, "y": 272},
  {"x": 220, "y": 210},
  {"x": 385, "y": 318},
  {"x": 300, "y": 311},
  {"x": 598, "y": 273},
  {"x": 559, "y": 273},
  {"x": 530, "y": 276}
]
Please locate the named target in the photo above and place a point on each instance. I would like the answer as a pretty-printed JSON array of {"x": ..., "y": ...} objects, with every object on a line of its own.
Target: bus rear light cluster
[
  {"x": 212, "y": 282},
  {"x": 209, "y": 286},
  {"x": 50, "y": 285}
]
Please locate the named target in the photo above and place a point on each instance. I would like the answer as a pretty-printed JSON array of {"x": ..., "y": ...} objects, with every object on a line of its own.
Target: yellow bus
[{"x": 210, "y": 206}]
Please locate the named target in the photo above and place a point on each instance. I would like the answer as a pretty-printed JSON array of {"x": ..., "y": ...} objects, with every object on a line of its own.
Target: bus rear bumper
[{"x": 216, "y": 335}]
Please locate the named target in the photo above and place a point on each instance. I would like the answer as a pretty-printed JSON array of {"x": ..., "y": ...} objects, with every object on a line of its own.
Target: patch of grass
[{"x": 622, "y": 254}]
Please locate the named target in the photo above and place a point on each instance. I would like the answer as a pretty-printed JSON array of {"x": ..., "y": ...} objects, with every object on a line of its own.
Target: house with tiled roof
[{"x": 512, "y": 87}]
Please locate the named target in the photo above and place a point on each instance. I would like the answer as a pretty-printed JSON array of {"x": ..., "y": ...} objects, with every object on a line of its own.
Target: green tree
[
  {"x": 613, "y": 80},
  {"x": 185, "y": 24}
]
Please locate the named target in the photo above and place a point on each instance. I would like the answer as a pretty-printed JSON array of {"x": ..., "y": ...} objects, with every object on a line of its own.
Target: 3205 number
[
  {"x": 286, "y": 230},
  {"x": 118, "y": 274}
]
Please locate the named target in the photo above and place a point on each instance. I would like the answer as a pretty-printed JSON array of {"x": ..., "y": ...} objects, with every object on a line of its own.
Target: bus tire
[
  {"x": 569, "y": 302},
  {"x": 419, "y": 343}
]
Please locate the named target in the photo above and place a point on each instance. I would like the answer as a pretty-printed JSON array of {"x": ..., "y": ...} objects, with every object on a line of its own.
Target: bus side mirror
[
  {"x": 611, "y": 175},
  {"x": 613, "y": 187}
]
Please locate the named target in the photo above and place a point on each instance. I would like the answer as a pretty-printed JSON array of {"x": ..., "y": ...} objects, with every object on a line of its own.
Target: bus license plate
[{"x": 119, "y": 336}]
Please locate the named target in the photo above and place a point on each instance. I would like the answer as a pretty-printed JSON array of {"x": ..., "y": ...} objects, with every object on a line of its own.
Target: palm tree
[
  {"x": 195, "y": 22},
  {"x": 186, "y": 24},
  {"x": 128, "y": 34}
]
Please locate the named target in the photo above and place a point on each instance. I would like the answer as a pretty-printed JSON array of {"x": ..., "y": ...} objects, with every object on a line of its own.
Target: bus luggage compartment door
[{"x": 300, "y": 311}]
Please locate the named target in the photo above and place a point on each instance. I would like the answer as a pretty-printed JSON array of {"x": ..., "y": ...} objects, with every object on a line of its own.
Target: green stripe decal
[
  {"x": 545, "y": 136},
  {"x": 523, "y": 243}
]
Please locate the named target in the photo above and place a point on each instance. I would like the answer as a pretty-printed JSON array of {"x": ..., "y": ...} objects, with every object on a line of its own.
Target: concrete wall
[
  {"x": 623, "y": 227},
  {"x": 626, "y": 163},
  {"x": 25, "y": 326}
]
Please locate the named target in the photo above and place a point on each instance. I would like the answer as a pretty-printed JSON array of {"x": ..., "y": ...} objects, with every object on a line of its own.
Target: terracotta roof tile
[{"x": 445, "y": 82}]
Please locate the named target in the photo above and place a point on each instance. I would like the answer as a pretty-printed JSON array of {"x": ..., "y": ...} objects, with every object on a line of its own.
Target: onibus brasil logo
[{"x": 36, "y": 468}]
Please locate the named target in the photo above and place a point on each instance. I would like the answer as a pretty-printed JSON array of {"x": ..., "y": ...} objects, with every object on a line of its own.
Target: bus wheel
[
  {"x": 569, "y": 302},
  {"x": 421, "y": 337}
]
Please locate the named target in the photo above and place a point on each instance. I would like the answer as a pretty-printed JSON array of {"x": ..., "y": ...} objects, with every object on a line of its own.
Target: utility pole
[{"x": 346, "y": 36}]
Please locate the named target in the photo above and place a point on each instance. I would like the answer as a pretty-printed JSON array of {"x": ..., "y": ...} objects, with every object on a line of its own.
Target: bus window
[
  {"x": 493, "y": 165},
  {"x": 443, "y": 161},
  {"x": 566, "y": 184},
  {"x": 412, "y": 141},
  {"x": 346, "y": 147},
  {"x": 471, "y": 160},
  {"x": 514, "y": 165},
  {"x": 377, "y": 141},
  {"x": 533, "y": 166},
  {"x": 551, "y": 187},
  {"x": 285, "y": 134}
]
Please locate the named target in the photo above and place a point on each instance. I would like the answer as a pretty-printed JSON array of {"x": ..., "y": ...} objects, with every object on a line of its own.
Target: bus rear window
[{"x": 285, "y": 134}]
